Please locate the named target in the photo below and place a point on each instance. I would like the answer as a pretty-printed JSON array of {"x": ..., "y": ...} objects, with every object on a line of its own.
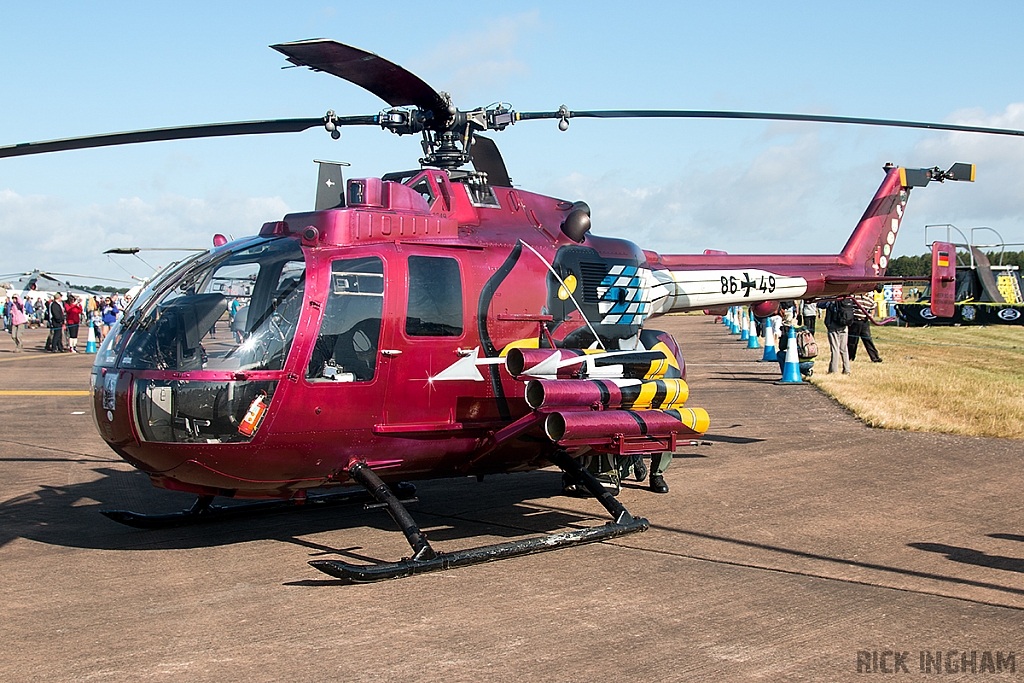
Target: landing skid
[
  {"x": 203, "y": 510},
  {"x": 426, "y": 559}
]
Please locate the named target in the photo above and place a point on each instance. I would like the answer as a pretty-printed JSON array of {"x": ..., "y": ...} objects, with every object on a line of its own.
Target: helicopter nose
[{"x": 111, "y": 407}]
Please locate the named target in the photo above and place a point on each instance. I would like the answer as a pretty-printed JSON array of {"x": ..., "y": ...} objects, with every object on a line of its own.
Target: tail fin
[{"x": 869, "y": 248}]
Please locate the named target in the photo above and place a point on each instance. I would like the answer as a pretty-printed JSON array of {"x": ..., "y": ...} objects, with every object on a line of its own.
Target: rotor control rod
[{"x": 421, "y": 549}]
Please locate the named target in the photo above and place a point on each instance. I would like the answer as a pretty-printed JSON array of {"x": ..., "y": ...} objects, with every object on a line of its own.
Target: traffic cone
[
  {"x": 725, "y": 318},
  {"x": 752, "y": 342},
  {"x": 744, "y": 325},
  {"x": 791, "y": 370},
  {"x": 769, "y": 343},
  {"x": 90, "y": 345},
  {"x": 733, "y": 327}
]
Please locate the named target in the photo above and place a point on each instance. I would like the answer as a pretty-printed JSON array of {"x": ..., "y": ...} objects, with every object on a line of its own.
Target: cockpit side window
[
  {"x": 346, "y": 348},
  {"x": 422, "y": 186},
  {"x": 435, "y": 297}
]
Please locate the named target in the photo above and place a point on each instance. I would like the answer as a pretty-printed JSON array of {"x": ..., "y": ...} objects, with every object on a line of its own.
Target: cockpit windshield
[{"x": 234, "y": 310}]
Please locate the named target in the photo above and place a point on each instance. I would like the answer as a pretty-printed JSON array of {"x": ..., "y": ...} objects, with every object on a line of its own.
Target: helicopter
[
  {"x": 429, "y": 323},
  {"x": 29, "y": 282}
]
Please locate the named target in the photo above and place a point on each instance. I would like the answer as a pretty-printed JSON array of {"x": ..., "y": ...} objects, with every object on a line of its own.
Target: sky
[{"x": 680, "y": 186}]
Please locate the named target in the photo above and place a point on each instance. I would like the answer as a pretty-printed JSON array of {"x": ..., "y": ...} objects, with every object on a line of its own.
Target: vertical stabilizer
[{"x": 870, "y": 246}]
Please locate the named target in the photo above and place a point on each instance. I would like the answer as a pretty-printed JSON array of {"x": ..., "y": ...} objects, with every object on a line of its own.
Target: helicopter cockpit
[
  {"x": 195, "y": 337},
  {"x": 230, "y": 311}
]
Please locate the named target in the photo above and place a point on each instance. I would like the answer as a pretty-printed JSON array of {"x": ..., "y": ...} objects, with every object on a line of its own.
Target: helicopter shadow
[
  {"x": 748, "y": 377},
  {"x": 974, "y": 557},
  {"x": 724, "y": 438},
  {"x": 1008, "y": 537},
  {"x": 448, "y": 510}
]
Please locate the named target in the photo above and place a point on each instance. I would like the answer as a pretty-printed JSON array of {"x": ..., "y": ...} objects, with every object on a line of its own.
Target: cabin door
[
  {"x": 345, "y": 375},
  {"x": 427, "y": 335}
]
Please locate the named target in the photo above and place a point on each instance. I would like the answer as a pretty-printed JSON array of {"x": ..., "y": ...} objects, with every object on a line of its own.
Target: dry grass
[{"x": 958, "y": 380}]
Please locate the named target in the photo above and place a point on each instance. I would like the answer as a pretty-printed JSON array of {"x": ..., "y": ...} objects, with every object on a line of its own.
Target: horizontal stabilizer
[{"x": 868, "y": 280}]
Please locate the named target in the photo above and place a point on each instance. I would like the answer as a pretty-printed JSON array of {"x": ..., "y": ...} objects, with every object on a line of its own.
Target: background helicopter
[
  {"x": 40, "y": 282},
  {"x": 435, "y": 322}
]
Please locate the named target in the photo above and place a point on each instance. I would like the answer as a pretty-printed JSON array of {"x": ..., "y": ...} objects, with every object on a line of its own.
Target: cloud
[
  {"x": 778, "y": 202},
  {"x": 478, "y": 58},
  {"x": 996, "y": 199},
  {"x": 800, "y": 194},
  {"x": 48, "y": 233}
]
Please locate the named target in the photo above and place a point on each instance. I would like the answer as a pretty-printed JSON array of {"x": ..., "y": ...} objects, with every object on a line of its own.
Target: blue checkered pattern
[{"x": 624, "y": 296}]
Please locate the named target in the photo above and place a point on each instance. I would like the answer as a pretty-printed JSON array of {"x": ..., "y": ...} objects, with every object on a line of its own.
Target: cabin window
[
  {"x": 435, "y": 297},
  {"x": 346, "y": 348}
]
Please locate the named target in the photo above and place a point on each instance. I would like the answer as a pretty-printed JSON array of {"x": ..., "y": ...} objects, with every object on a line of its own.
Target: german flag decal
[{"x": 943, "y": 259}]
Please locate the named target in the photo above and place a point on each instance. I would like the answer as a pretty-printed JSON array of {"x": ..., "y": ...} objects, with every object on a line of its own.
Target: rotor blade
[
  {"x": 210, "y": 130},
  {"x": 388, "y": 81},
  {"x": 763, "y": 116},
  {"x": 135, "y": 250},
  {"x": 50, "y": 273},
  {"x": 65, "y": 283},
  {"x": 487, "y": 159}
]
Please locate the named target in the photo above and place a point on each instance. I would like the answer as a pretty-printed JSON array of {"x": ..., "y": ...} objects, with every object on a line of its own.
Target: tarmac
[{"x": 800, "y": 545}]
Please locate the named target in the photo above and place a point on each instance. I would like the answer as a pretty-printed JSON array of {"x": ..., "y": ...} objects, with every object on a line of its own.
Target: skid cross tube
[
  {"x": 364, "y": 573},
  {"x": 382, "y": 494},
  {"x": 582, "y": 475}
]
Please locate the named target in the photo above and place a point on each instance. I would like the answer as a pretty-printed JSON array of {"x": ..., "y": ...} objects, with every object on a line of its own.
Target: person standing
[
  {"x": 659, "y": 463},
  {"x": 44, "y": 308},
  {"x": 838, "y": 315},
  {"x": 109, "y": 313},
  {"x": 860, "y": 328},
  {"x": 18, "y": 320},
  {"x": 56, "y": 311},
  {"x": 96, "y": 320},
  {"x": 73, "y": 316},
  {"x": 809, "y": 315}
]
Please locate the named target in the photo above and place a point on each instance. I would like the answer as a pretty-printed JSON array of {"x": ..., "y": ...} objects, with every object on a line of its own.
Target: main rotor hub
[{"x": 443, "y": 151}]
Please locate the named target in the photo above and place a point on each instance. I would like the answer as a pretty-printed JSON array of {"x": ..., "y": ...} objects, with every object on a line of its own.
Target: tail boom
[{"x": 686, "y": 282}]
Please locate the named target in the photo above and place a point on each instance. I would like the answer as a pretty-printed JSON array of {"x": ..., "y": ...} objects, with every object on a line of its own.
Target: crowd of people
[
  {"x": 847, "y": 322},
  {"x": 65, "y": 316}
]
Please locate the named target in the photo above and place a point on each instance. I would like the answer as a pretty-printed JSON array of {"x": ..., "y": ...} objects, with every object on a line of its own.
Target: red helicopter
[{"x": 437, "y": 322}]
